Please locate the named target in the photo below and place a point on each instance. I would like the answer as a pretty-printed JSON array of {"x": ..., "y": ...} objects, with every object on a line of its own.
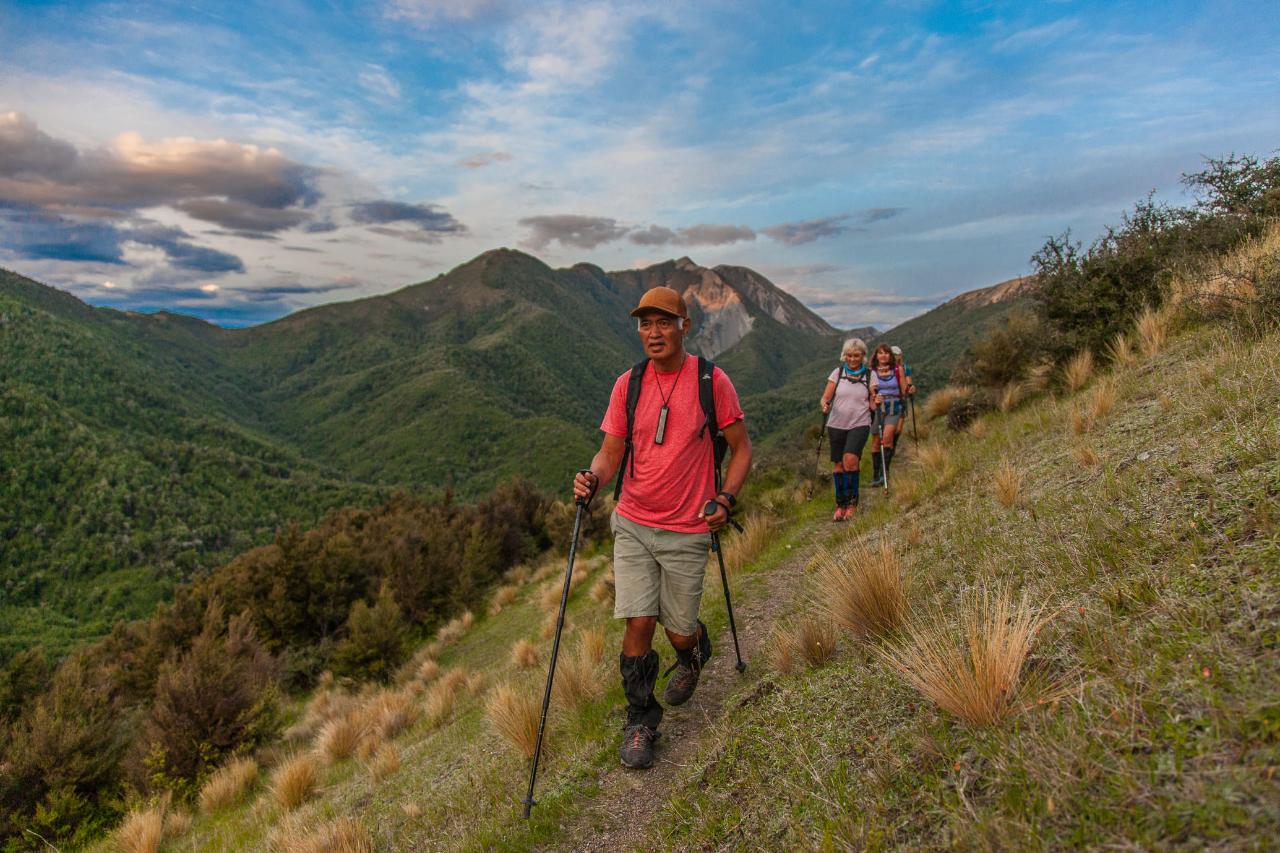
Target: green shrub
[
  {"x": 374, "y": 644},
  {"x": 1004, "y": 354}
]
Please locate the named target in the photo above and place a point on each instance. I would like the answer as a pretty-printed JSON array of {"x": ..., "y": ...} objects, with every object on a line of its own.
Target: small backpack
[{"x": 707, "y": 398}]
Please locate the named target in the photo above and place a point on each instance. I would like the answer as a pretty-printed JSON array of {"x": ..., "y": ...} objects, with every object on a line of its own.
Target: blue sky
[{"x": 238, "y": 161}]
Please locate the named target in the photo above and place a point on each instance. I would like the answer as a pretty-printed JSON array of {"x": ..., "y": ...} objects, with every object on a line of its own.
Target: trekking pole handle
[{"x": 595, "y": 480}]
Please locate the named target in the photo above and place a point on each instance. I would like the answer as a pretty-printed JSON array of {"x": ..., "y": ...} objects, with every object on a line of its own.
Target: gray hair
[{"x": 853, "y": 345}]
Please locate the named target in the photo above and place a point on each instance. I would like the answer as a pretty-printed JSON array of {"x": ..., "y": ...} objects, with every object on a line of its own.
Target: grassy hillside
[
  {"x": 1146, "y": 716},
  {"x": 935, "y": 341}
]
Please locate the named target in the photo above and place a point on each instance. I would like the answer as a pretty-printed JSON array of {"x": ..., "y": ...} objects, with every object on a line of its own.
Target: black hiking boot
[
  {"x": 637, "y": 746},
  {"x": 688, "y": 667}
]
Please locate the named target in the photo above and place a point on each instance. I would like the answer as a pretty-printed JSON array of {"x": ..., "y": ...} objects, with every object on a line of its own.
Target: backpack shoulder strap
[
  {"x": 707, "y": 397},
  {"x": 633, "y": 398}
]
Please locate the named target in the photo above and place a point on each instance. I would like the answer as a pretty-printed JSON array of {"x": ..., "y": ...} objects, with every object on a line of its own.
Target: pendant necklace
[{"x": 661, "y": 431}]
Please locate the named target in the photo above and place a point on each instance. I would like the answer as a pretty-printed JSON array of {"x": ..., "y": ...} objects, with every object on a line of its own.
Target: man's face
[{"x": 661, "y": 334}]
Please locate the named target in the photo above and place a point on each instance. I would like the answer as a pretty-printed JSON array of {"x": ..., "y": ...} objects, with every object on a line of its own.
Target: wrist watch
[{"x": 729, "y": 497}]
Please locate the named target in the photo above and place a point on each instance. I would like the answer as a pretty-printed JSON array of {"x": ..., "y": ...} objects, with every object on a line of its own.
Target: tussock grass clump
[
  {"x": 228, "y": 784},
  {"x": 939, "y": 403},
  {"x": 862, "y": 589},
  {"x": 295, "y": 781},
  {"x": 970, "y": 664},
  {"x": 524, "y": 654},
  {"x": 1011, "y": 395},
  {"x": 603, "y": 589},
  {"x": 1077, "y": 371},
  {"x": 384, "y": 762},
  {"x": 977, "y": 429},
  {"x": 517, "y": 575},
  {"x": 549, "y": 595},
  {"x": 442, "y": 696},
  {"x": 513, "y": 714},
  {"x": 453, "y": 630},
  {"x": 429, "y": 671},
  {"x": 742, "y": 549},
  {"x": 591, "y": 642},
  {"x": 811, "y": 639},
  {"x": 389, "y": 712},
  {"x": 1153, "y": 328},
  {"x": 177, "y": 823},
  {"x": 1120, "y": 350},
  {"x": 1006, "y": 482},
  {"x": 141, "y": 831},
  {"x": 548, "y": 628},
  {"x": 341, "y": 835},
  {"x": 1085, "y": 455},
  {"x": 1103, "y": 399},
  {"x": 1040, "y": 376},
  {"x": 1081, "y": 423},
  {"x": 326, "y": 704},
  {"x": 339, "y": 738},
  {"x": 503, "y": 596},
  {"x": 933, "y": 457},
  {"x": 578, "y": 678}
]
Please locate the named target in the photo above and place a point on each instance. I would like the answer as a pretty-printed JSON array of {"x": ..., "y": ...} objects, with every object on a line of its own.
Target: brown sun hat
[{"x": 662, "y": 299}]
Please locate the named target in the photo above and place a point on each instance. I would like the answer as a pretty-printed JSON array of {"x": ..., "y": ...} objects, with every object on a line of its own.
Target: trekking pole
[
  {"x": 728, "y": 602},
  {"x": 817, "y": 460},
  {"x": 915, "y": 439},
  {"x": 884, "y": 469},
  {"x": 582, "y": 503}
]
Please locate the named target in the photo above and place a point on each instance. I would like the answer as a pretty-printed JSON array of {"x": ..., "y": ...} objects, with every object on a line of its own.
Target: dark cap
[{"x": 662, "y": 299}]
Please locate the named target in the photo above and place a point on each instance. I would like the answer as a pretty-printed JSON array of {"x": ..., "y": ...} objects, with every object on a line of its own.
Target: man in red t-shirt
[{"x": 661, "y": 536}]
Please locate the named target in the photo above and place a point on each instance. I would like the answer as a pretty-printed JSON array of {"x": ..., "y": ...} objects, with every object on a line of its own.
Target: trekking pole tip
[
  {"x": 528, "y": 806},
  {"x": 742, "y": 666}
]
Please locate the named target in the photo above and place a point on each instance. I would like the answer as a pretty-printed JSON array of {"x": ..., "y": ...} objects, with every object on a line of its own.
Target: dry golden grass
[
  {"x": 1006, "y": 482},
  {"x": 413, "y": 811},
  {"x": 602, "y": 590},
  {"x": 228, "y": 784},
  {"x": 1103, "y": 399},
  {"x": 503, "y": 596},
  {"x": 1085, "y": 455},
  {"x": 548, "y": 629},
  {"x": 862, "y": 589},
  {"x": 384, "y": 762},
  {"x": 811, "y": 638},
  {"x": 977, "y": 429},
  {"x": 970, "y": 662},
  {"x": 326, "y": 704},
  {"x": 141, "y": 831},
  {"x": 1077, "y": 371},
  {"x": 591, "y": 642},
  {"x": 549, "y": 595},
  {"x": 1120, "y": 350},
  {"x": 1040, "y": 377},
  {"x": 1165, "y": 401},
  {"x": 475, "y": 684},
  {"x": 389, "y": 712},
  {"x": 295, "y": 781},
  {"x": 339, "y": 738},
  {"x": 937, "y": 404},
  {"x": 549, "y": 567},
  {"x": 1080, "y": 422},
  {"x": 1153, "y": 328},
  {"x": 443, "y": 695},
  {"x": 340, "y": 835},
  {"x": 524, "y": 654},
  {"x": 1012, "y": 394},
  {"x": 454, "y": 629},
  {"x": 742, "y": 549},
  {"x": 177, "y": 823},
  {"x": 906, "y": 493},
  {"x": 513, "y": 714},
  {"x": 578, "y": 678},
  {"x": 782, "y": 652},
  {"x": 517, "y": 576},
  {"x": 429, "y": 671},
  {"x": 368, "y": 748},
  {"x": 932, "y": 457}
]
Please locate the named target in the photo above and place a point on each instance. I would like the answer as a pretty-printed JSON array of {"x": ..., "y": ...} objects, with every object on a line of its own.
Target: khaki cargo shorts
[{"x": 658, "y": 573}]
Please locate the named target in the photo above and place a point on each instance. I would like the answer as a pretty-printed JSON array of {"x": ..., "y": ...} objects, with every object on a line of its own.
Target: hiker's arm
[
  {"x": 827, "y": 394},
  {"x": 740, "y": 460},
  {"x": 604, "y": 465}
]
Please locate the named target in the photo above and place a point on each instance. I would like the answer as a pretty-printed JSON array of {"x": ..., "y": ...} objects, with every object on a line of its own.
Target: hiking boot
[
  {"x": 688, "y": 667},
  {"x": 637, "y": 746},
  {"x": 878, "y": 481},
  {"x": 838, "y": 515}
]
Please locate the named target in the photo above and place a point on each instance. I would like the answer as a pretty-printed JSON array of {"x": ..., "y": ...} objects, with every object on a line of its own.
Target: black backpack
[{"x": 706, "y": 396}]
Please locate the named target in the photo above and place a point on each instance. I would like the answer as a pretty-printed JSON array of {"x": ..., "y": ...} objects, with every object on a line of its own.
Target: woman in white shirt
[{"x": 847, "y": 402}]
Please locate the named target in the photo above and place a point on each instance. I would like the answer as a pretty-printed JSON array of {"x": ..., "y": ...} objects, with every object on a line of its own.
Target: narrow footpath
[{"x": 619, "y": 817}]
